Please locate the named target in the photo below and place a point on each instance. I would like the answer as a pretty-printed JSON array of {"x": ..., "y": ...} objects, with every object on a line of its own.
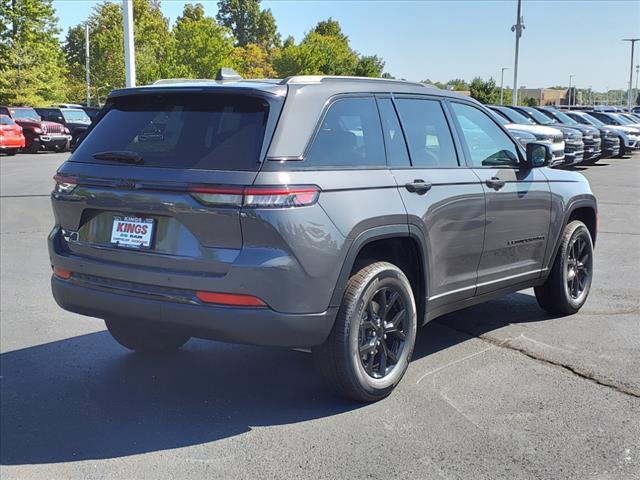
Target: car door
[
  {"x": 518, "y": 201},
  {"x": 443, "y": 198}
]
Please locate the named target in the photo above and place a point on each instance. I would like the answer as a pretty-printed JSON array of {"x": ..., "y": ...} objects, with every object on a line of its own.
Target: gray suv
[{"x": 337, "y": 214}]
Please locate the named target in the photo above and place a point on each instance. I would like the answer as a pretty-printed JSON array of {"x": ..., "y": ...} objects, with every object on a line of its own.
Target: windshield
[
  {"x": 216, "y": 132},
  {"x": 76, "y": 116},
  {"x": 499, "y": 118},
  {"x": 564, "y": 118},
  {"x": 25, "y": 114},
  {"x": 516, "y": 117},
  {"x": 630, "y": 117},
  {"x": 622, "y": 120},
  {"x": 540, "y": 117},
  {"x": 593, "y": 120}
]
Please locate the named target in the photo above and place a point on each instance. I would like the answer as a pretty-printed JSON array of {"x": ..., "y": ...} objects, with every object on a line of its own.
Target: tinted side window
[
  {"x": 428, "y": 134},
  {"x": 397, "y": 154},
  {"x": 487, "y": 144},
  {"x": 349, "y": 135}
]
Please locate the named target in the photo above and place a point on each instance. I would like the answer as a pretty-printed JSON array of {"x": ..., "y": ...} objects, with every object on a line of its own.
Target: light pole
[
  {"x": 569, "y": 92},
  {"x": 517, "y": 28},
  {"x": 633, "y": 43},
  {"x": 637, "y": 70},
  {"x": 86, "y": 63},
  {"x": 502, "y": 84},
  {"x": 129, "y": 47}
]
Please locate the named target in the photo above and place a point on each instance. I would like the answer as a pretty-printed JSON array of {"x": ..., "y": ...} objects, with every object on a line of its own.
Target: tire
[
  {"x": 32, "y": 147},
  {"x": 144, "y": 338},
  {"x": 567, "y": 287},
  {"x": 350, "y": 361},
  {"x": 623, "y": 149}
]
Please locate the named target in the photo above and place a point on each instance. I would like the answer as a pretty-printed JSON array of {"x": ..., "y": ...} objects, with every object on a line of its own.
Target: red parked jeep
[{"x": 38, "y": 134}]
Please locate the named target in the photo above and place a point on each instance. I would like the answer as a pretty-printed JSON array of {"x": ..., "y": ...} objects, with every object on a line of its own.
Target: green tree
[
  {"x": 249, "y": 23},
  {"x": 154, "y": 47},
  {"x": 317, "y": 55},
  {"x": 31, "y": 62},
  {"x": 530, "y": 102},
  {"x": 484, "y": 91},
  {"x": 201, "y": 46},
  {"x": 369, "y": 66},
  {"x": 325, "y": 50},
  {"x": 457, "y": 84},
  {"x": 331, "y": 28},
  {"x": 252, "y": 61}
]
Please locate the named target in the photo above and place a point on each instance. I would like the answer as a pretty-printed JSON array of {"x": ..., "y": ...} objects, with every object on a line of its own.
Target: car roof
[{"x": 280, "y": 86}]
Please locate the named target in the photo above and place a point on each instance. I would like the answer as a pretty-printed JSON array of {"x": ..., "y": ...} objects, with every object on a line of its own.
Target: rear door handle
[
  {"x": 495, "y": 183},
  {"x": 418, "y": 186}
]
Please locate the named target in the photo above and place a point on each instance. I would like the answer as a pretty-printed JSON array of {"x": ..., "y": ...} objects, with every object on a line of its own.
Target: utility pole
[
  {"x": 502, "y": 84},
  {"x": 637, "y": 71},
  {"x": 86, "y": 63},
  {"x": 607, "y": 87},
  {"x": 129, "y": 47},
  {"x": 633, "y": 43},
  {"x": 517, "y": 28},
  {"x": 569, "y": 99}
]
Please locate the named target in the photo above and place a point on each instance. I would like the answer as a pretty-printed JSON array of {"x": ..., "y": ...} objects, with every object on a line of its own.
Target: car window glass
[
  {"x": 487, "y": 144},
  {"x": 428, "y": 135},
  {"x": 397, "y": 154},
  {"x": 4, "y": 120},
  {"x": 349, "y": 135},
  {"x": 516, "y": 117},
  {"x": 218, "y": 132}
]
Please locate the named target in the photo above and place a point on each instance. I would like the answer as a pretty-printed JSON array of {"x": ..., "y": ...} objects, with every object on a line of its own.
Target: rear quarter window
[
  {"x": 210, "y": 132},
  {"x": 350, "y": 135}
]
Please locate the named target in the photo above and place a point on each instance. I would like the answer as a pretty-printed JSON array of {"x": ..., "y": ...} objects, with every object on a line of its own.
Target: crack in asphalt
[{"x": 577, "y": 371}]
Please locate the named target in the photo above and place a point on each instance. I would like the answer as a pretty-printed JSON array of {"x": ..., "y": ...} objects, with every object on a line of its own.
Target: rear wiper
[{"x": 124, "y": 156}]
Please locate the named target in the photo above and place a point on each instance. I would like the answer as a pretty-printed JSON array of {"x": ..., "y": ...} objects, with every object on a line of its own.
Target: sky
[{"x": 441, "y": 40}]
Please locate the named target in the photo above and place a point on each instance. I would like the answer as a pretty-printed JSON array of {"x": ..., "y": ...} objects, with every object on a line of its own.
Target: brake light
[
  {"x": 231, "y": 299},
  {"x": 62, "y": 273},
  {"x": 256, "y": 197},
  {"x": 65, "y": 184}
]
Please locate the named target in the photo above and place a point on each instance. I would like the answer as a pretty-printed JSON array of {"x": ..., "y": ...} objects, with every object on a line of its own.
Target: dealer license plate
[{"x": 132, "y": 232}]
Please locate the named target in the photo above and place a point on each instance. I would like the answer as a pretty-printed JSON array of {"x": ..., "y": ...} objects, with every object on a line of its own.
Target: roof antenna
[{"x": 228, "y": 74}]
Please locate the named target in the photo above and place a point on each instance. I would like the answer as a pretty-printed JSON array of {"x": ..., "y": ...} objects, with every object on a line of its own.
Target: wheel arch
[
  {"x": 369, "y": 241},
  {"x": 583, "y": 209}
]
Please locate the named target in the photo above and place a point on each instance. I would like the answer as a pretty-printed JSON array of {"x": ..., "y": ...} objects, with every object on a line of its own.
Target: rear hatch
[{"x": 157, "y": 182}]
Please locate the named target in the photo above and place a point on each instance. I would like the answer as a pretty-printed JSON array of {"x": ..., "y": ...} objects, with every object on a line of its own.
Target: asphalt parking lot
[{"x": 497, "y": 391}]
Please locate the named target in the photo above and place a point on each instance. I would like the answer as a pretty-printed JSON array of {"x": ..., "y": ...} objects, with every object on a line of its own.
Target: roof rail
[
  {"x": 334, "y": 78},
  {"x": 168, "y": 81}
]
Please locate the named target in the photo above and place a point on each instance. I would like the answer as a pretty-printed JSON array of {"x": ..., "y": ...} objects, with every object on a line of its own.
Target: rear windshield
[
  {"x": 76, "y": 116},
  {"x": 6, "y": 120},
  {"x": 210, "y": 132}
]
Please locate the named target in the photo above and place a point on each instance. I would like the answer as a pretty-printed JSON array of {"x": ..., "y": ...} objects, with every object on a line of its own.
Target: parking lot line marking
[{"x": 450, "y": 364}]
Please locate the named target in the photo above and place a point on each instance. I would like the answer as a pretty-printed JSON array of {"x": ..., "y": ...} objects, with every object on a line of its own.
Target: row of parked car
[
  {"x": 576, "y": 136},
  {"x": 55, "y": 128}
]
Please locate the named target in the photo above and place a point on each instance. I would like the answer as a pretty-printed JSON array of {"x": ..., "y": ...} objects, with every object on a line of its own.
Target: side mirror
[{"x": 538, "y": 155}]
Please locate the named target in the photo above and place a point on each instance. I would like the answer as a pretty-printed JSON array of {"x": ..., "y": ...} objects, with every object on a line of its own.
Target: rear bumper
[
  {"x": 255, "y": 326},
  {"x": 11, "y": 143}
]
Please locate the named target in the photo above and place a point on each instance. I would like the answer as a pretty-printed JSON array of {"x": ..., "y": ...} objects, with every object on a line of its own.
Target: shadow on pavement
[{"x": 87, "y": 398}]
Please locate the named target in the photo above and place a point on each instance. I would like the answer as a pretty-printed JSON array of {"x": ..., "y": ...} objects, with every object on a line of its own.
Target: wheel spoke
[
  {"x": 395, "y": 323},
  {"x": 391, "y": 301},
  {"x": 367, "y": 348},
  {"x": 383, "y": 361},
  {"x": 392, "y": 356}
]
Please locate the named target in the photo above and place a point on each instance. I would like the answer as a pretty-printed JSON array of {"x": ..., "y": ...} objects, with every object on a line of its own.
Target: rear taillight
[
  {"x": 218, "y": 196},
  {"x": 65, "y": 184},
  {"x": 256, "y": 197},
  {"x": 230, "y": 299},
  {"x": 280, "y": 197}
]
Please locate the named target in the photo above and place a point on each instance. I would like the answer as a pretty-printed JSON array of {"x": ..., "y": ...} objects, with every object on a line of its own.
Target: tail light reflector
[
  {"x": 65, "y": 184},
  {"x": 231, "y": 299},
  {"x": 256, "y": 197},
  {"x": 219, "y": 196},
  {"x": 62, "y": 273}
]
